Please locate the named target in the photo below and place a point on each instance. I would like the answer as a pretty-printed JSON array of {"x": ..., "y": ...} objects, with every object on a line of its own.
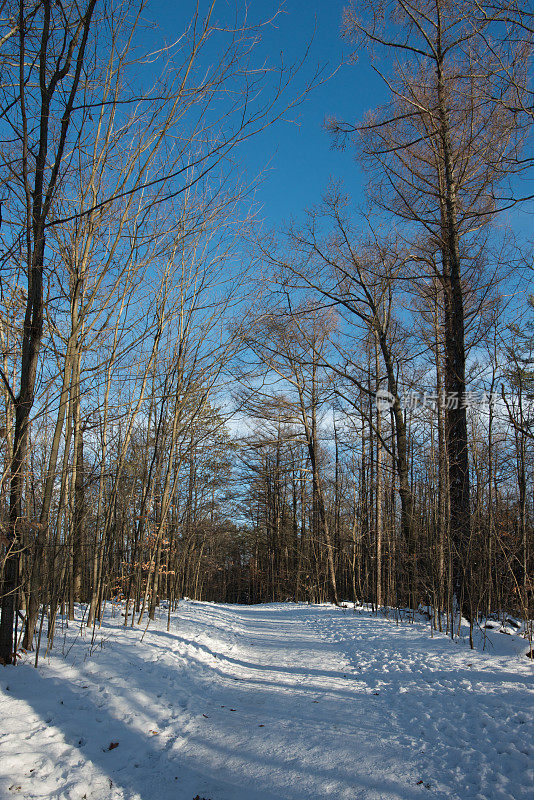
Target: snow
[{"x": 269, "y": 702}]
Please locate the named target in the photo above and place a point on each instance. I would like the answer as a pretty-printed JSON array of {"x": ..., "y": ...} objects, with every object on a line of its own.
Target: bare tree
[
  {"x": 440, "y": 150},
  {"x": 74, "y": 125},
  {"x": 49, "y": 55},
  {"x": 290, "y": 345}
]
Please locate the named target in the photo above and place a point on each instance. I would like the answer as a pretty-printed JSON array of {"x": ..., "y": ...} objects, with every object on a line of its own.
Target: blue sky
[{"x": 296, "y": 154}]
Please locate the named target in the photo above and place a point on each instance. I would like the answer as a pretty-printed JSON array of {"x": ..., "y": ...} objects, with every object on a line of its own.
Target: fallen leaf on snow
[{"x": 113, "y": 745}]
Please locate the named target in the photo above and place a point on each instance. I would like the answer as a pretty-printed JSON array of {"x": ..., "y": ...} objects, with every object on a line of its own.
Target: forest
[{"x": 198, "y": 402}]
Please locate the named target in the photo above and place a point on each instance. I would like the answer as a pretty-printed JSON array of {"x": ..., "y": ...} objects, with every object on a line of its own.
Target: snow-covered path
[{"x": 273, "y": 702}]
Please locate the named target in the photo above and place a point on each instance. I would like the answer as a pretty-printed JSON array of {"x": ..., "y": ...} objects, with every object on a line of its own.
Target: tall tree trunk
[
  {"x": 379, "y": 491},
  {"x": 455, "y": 412},
  {"x": 40, "y": 181}
]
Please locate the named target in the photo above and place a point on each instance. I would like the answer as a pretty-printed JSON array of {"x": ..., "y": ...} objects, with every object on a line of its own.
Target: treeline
[{"x": 357, "y": 422}]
